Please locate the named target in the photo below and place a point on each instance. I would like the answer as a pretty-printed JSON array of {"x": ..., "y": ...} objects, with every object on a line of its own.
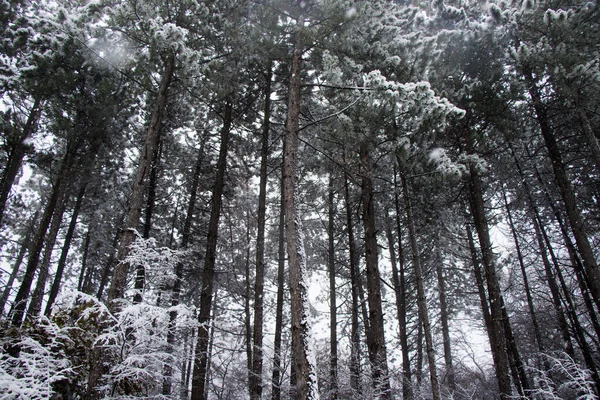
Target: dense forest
[{"x": 279, "y": 199}]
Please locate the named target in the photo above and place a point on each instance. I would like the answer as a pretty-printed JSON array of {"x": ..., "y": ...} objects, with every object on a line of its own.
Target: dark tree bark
[
  {"x": 333, "y": 342},
  {"x": 355, "y": 353},
  {"x": 445, "y": 327},
  {"x": 175, "y": 293},
  {"x": 532, "y": 314},
  {"x": 140, "y": 270},
  {"x": 376, "y": 339},
  {"x": 208, "y": 274},
  {"x": 304, "y": 370},
  {"x": 18, "y": 149},
  {"x": 276, "y": 375},
  {"x": 64, "y": 252},
  {"x": 256, "y": 384},
  {"x": 35, "y": 305},
  {"x": 52, "y": 203},
  {"x": 84, "y": 258},
  {"x": 400, "y": 287},
  {"x": 421, "y": 299},
  {"x": 565, "y": 188},
  {"x": 496, "y": 328},
  {"x": 138, "y": 191},
  {"x": 25, "y": 245}
]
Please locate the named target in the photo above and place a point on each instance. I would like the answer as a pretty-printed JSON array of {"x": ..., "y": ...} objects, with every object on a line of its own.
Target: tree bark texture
[
  {"x": 15, "y": 157},
  {"x": 304, "y": 363},
  {"x": 376, "y": 341},
  {"x": 136, "y": 197},
  {"x": 208, "y": 273},
  {"x": 421, "y": 298},
  {"x": 256, "y": 384},
  {"x": 64, "y": 252},
  {"x": 333, "y": 341},
  {"x": 496, "y": 327}
]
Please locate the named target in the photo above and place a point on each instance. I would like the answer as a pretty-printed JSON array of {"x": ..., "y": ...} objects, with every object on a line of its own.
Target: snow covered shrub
[
  {"x": 565, "y": 380},
  {"x": 33, "y": 363}
]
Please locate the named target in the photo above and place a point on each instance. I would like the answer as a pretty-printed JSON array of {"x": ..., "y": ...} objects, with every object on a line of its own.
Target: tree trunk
[
  {"x": 400, "y": 286},
  {"x": 25, "y": 245},
  {"x": 355, "y": 356},
  {"x": 376, "y": 341},
  {"x": 398, "y": 291},
  {"x": 247, "y": 316},
  {"x": 86, "y": 251},
  {"x": 140, "y": 270},
  {"x": 536, "y": 327},
  {"x": 302, "y": 352},
  {"x": 566, "y": 191},
  {"x": 256, "y": 384},
  {"x": 276, "y": 375},
  {"x": 15, "y": 158},
  {"x": 20, "y": 301},
  {"x": 556, "y": 302},
  {"x": 136, "y": 197},
  {"x": 208, "y": 274},
  {"x": 175, "y": 294},
  {"x": 35, "y": 306},
  {"x": 65, "y": 251},
  {"x": 445, "y": 327},
  {"x": 333, "y": 342},
  {"x": 421, "y": 299},
  {"x": 496, "y": 331}
]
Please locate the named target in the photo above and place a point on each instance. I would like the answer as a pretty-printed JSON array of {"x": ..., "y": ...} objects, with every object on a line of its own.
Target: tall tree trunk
[
  {"x": 276, "y": 375},
  {"x": 355, "y": 356},
  {"x": 566, "y": 190},
  {"x": 421, "y": 299},
  {"x": 25, "y": 245},
  {"x": 556, "y": 302},
  {"x": 256, "y": 384},
  {"x": 400, "y": 286},
  {"x": 84, "y": 258},
  {"x": 138, "y": 191},
  {"x": 35, "y": 305},
  {"x": 64, "y": 252},
  {"x": 450, "y": 381},
  {"x": 406, "y": 389},
  {"x": 247, "y": 315},
  {"x": 480, "y": 281},
  {"x": 302, "y": 355},
  {"x": 140, "y": 269},
  {"x": 496, "y": 331},
  {"x": 333, "y": 342},
  {"x": 536, "y": 327},
  {"x": 52, "y": 203},
  {"x": 208, "y": 273},
  {"x": 15, "y": 158},
  {"x": 376, "y": 339},
  {"x": 588, "y": 133},
  {"x": 175, "y": 294}
]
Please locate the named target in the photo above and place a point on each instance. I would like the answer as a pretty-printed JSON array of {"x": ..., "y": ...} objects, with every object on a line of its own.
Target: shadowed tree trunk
[
  {"x": 421, "y": 299},
  {"x": 15, "y": 158},
  {"x": 304, "y": 369},
  {"x": 138, "y": 191},
  {"x": 399, "y": 278},
  {"x": 65, "y": 251},
  {"x": 355, "y": 353},
  {"x": 52, "y": 203},
  {"x": 201, "y": 357},
  {"x": 333, "y": 342},
  {"x": 25, "y": 244},
  {"x": 257, "y": 334},
  {"x": 376, "y": 339},
  {"x": 496, "y": 327},
  {"x": 276, "y": 375}
]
